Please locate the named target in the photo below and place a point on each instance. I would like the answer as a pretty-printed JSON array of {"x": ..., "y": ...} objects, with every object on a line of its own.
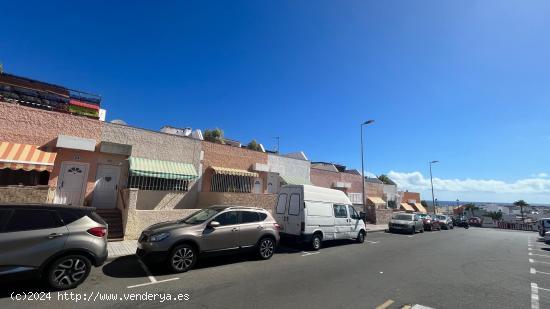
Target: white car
[{"x": 313, "y": 214}]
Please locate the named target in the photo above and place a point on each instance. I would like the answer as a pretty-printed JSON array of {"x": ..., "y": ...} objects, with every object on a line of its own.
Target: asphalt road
[{"x": 475, "y": 268}]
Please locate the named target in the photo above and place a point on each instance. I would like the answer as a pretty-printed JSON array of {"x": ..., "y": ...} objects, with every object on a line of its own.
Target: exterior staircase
[{"x": 114, "y": 220}]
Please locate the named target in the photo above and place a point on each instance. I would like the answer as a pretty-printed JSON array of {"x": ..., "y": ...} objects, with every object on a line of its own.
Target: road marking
[
  {"x": 386, "y": 304},
  {"x": 150, "y": 283},
  {"x": 534, "y": 296},
  {"x": 410, "y": 236},
  {"x": 372, "y": 242},
  {"x": 534, "y": 271},
  {"x": 420, "y": 307},
  {"x": 539, "y": 254},
  {"x": 152, "y": 279},
  {"x": 533, "y": 261},
  {"x": 309, "y": 253},
  {"x": 544, "y": 289},
  {"x": 406, "y": 307}
]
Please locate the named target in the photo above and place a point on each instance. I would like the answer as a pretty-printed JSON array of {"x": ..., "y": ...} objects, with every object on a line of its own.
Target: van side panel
[{"x": 319, "y": 217}]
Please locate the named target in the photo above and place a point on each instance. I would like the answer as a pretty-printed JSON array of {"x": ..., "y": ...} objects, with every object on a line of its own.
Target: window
[
  {"x": 231, "y": 183},
  {"x": 158, "y": 184},
  {"x": 70, "y": 215},
  {"x": 262, "y": 216},
  {"x": 32, "y": 219},
  {"x": 249, "y": 217},
  {"x": 200, "y": 216},
  {"x": 9, "y": 177},
  {"x": 294, "y": 205},
  {"x": 227, "y": 218},
  {"x": 4, "y": 216},
  {"x": 353, "y": 213},
  {"x": 340, "y": 211},
  {"x": 281, "y": 204}
]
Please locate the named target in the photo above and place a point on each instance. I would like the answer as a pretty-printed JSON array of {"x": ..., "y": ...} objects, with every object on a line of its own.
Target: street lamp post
[
  {"x": 432, "y": 182},
  {"x": 363, "y": 166}
]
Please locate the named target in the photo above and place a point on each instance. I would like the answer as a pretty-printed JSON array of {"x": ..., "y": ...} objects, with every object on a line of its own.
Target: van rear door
[{"x": 295, "y": 212}]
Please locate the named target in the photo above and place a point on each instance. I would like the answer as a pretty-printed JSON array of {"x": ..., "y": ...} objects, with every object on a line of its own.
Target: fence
[{"x": 517, "y": 226}]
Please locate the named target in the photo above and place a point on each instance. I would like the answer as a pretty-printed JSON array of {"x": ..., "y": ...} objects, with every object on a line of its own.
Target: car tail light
[
  {"x": 302, "y": 227},
  {"x": 276, "y": 226},
  {"x": 97, "y": 231}
]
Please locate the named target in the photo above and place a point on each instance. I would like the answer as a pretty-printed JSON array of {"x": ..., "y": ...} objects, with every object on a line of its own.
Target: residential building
[
  {"x": 410, "y": 201},
  {"x": 336, "y": 176},
  {"x": 284, "y": 169}
]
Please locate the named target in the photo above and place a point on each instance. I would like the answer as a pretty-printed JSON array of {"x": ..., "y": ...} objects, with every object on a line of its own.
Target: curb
[{"x": 376, "y": 231}]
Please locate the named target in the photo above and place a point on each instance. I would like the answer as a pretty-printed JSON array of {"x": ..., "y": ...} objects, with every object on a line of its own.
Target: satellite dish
[{"x": 119, "y": 121}]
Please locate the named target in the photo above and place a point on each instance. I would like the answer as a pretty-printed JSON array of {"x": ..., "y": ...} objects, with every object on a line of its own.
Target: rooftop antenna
[{"x": 278, "y": 141}]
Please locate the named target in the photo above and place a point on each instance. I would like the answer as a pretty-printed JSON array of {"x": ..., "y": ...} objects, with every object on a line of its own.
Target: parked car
[
  {"x": 430, "y": 224},
  {"x": 213, "y": 230},
  {"x": 405, "y": 222},
  {"x": 58, "y": 243},
  {"x": 313, "y": 214},
  {"x": 445, "y": 221},
  {"x": 543, "y": 226},
  {"x": 475, "y": 221}
]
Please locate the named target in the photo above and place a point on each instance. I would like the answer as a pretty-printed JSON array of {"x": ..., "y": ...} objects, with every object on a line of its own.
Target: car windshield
[
  {"x": 402, "y": 217},
  {"x": 200, "y": 216}
]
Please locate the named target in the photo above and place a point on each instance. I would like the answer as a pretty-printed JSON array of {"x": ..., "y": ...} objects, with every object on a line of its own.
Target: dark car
[
  {"x": 58, "y": 243},
  {"x": 430, "y": 224}
]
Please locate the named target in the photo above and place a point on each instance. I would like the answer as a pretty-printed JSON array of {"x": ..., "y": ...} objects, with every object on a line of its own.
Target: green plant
[
  {"x": 385, "y": 179},
  {"x": 253, "y": 145},
  {"x": 521, "y": 204},
  {"x": 214, "y": 135},
  {"x": 495, "y": 215}
]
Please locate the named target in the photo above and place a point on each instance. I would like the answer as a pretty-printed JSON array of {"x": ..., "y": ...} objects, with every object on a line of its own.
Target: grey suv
[
  {"x": 217, "y": 229},
  {"x": 56, "y": 242}
]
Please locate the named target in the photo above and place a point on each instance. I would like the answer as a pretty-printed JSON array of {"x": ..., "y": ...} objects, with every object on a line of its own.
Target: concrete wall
[
  {"x": 154, "y": 145},
  {"x": 374, "y": 189},
  {"x": 134, "y": 221},
  {"x": 265, "y": 201},
  {"x": 230, "y": 157},
  {"x": 288, "y": 166},
  {"x": 390, "y": 192},
  {"x": 325, "y": 178},
  {"x": 166, "y": 200},
  {"x": 21, "y": 194}
]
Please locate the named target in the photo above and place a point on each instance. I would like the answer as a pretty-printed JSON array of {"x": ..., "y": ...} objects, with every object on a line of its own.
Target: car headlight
[{"x": 159, "y": 237}]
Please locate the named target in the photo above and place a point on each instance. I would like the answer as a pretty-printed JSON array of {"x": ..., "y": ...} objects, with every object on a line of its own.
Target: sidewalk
[
  {"x": 121, "y": 248},
  {"x": 371, "y": 228}
]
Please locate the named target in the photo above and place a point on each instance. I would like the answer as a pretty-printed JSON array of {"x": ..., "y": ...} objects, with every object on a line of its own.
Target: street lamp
[
  {"x": 432, "y": 182},
  {"x": 363, "y": 164}
]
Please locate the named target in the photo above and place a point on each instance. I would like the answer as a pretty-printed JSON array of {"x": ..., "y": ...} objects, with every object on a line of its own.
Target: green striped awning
[
  {"x": 295, "y": 180},
  {"x": 161, "y": 169}
]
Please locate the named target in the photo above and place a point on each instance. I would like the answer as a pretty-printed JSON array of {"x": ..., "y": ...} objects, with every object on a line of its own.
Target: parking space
[{"x": 538, "y": 255}]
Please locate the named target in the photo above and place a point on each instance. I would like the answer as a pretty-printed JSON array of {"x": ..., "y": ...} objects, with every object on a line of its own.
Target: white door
[
  {"x": 341, "y": 222},
  {"x": 355, "y": 222},
  {"x": 295, "y": 213},
  {"x": 71, "y": 183},
  {"x": 258, "y": 185},
  {"x": 106, "y": 186}
]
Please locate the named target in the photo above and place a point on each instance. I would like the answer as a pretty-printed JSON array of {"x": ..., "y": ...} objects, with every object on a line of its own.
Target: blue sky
[{"x": 463, "y": 82}]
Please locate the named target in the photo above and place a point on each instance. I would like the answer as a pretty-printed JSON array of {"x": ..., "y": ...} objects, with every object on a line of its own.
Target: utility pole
[
  {"x": 363, "y": 166},
  {"x": 278, "y": 140},
  {"x": 432, "y": 182}
]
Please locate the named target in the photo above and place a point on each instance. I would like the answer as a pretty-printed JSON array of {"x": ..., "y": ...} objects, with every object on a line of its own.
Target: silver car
[
  {"x": 406, "y": 222},
  {"x": 217, "y": 229},
  {"x": 56, "y": 242}
]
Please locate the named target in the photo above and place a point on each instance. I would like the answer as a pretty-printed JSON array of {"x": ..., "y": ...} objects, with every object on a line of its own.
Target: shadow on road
[{"x": 12, "y": 286}]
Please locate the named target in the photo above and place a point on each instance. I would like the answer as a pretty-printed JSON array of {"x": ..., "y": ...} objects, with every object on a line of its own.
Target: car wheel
[
  {"x": 68, "y": 272},
  {"x": 266, "y": 248},
  {"x": 413, "y": 231},
  {"x": 182, "y": 258},
  {"x": 452, "y": 227},
  {"x": 316, "y": 242},
  {"x": 422, "y": 230},
  {"x": 360, "y": 237}
]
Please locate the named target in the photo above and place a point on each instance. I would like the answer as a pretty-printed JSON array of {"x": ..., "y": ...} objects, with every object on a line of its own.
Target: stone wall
[
  {"x": 265, "y": 201},
  {"x": 379, "y": 216},
  {"x": 325, "y": 178},
  {"x": 21, "y": 194},
  {"x": 166, "y": 200}
]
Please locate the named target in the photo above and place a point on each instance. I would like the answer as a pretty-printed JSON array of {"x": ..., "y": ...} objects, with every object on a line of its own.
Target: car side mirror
[{"x": 214, "y": 224}]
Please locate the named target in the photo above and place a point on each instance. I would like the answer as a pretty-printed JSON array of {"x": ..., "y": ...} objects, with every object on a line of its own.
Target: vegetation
[
  {"x": 385, "y": 179},
  {"x": 471, "y": 207},
  {"x": 214, "y": 136},
  {"x": 495, "y": 215},
  {"x": 521, "y": 204},
  {"x": 253, "y": 145}
]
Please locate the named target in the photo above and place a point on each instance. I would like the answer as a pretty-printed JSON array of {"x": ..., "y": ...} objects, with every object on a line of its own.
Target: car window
[
  {"x": 32, "y": 219},
  {"x": 340, "y": 211},
  {"x": 70, "y": 215},
  {"x": 227, "y": 218},
  {"x": 262, "y": 216},
  {"x": 249, "y": 216},
  {"x": 4, "y": 216},
  {"x": 404, "y": 217},
  {"x": 281, "y": 203},
  {"x": 352, "y": 212},
  {"x": 294, "y": 205}
]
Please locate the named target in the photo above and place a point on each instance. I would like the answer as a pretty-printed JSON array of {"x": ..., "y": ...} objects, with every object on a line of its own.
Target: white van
[{"x": 313, "y": 214}]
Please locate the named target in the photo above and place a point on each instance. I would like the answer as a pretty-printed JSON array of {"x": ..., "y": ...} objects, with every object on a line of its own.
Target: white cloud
[
  {"x": 416, "y": 181},
  {"x": 540, "y": 175}
]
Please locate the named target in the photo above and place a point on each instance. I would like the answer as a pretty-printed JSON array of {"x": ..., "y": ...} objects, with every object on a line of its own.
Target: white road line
[
  {"x": 539, "y": 254},
  {"x": 309, "y": 253},
  {"x": 544, "y": 289},
  {"x": 147, "y": 272},
  {"x": 372, "y": 242},
  {"x": 534, "y": 296},
  {"x": 150, "y": 283},
  {"x": 410, "y": 236},
  {"x": 534, "y": 271},
  {"x": 420, "y": 307},
  {"x": 533, "y": 261}
]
